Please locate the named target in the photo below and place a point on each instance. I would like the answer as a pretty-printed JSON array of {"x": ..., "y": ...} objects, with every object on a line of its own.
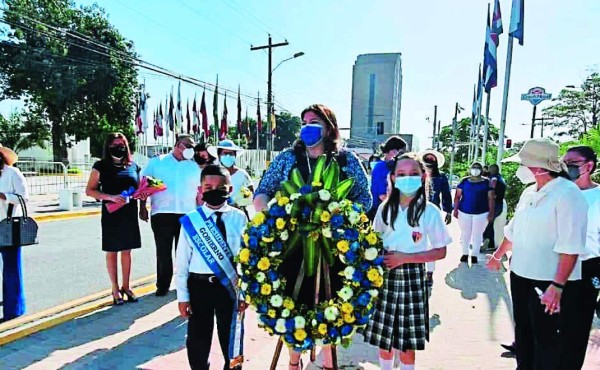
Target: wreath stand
[{"x": 325, "y": 267}]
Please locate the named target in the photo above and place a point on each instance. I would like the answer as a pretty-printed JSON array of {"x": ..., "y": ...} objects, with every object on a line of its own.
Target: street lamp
[{"x": 299, "y": 54}]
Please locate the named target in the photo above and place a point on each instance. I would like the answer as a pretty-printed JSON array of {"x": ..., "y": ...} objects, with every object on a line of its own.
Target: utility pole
[
  {"x": 434, "y": 126},
  {"x": 270, "y": 47},
  {"x": 437, "y": 143},
  {"x": 457, "y": 110},
  {"x": 533, "y": 122}
]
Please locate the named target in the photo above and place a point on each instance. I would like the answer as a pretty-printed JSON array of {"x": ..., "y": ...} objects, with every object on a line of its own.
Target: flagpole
[
  {"x": 509, "y": 53},
  {"x": 486, "y": 127}
]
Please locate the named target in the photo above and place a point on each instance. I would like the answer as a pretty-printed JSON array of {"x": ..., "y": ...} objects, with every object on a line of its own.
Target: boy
[{"x": 206, "y": 274}]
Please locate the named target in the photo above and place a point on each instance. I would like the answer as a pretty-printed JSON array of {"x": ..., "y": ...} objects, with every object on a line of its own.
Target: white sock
[
  {"x": 386, "y": 364},
  {"x": 407, "y": 367}
]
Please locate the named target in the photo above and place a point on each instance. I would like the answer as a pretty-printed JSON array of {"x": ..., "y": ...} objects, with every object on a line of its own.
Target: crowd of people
[{"x": 553, "y": 238}]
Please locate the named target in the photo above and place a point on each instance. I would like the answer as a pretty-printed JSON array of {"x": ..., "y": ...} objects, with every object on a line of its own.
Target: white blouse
[
  {"x": 12, "y": 182},
  {"x": 407, "y": 239},
  {"x": 547, "y": 223}
]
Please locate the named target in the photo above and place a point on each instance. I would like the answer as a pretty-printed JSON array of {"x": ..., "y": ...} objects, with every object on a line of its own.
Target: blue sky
[{"x": 441, "y": 42}]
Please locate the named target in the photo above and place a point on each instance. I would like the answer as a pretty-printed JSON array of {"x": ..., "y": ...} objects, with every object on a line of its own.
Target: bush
[{"x": 74, "y": 171}]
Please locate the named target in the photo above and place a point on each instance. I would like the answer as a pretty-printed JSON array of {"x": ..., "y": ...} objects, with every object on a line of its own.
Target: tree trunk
[{"x": 59, "y": 142}]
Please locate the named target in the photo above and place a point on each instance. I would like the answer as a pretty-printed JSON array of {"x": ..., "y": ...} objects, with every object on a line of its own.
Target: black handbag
[{"x": 18, "y": 231}]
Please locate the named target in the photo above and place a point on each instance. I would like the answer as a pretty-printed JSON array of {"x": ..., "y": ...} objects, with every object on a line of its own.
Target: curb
[
  {"x": 22, "y": 327},
  {"x": 67, "y": 215}
]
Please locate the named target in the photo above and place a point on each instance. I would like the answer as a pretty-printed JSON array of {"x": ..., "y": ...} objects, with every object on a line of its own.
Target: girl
[{"x": 408, "y": 223}]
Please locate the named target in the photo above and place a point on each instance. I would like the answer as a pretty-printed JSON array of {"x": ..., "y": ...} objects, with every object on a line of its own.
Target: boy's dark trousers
[{"x": 208, "y": 298}]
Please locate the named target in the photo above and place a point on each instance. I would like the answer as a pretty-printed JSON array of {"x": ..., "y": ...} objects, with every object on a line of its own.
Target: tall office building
[{"x": 376, "y": 97}]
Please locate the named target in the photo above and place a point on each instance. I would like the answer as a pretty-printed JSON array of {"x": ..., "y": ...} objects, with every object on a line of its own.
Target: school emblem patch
[{"x": 416, "y": 236}]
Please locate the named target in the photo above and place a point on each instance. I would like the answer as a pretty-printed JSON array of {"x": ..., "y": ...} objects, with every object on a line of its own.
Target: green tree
[
  {"x": 288, "y": 127},
  {"x": 85, "y": 88},
  {"x": 462, "y": 139},
  {"x": 575, "y": 112},
  {"x": 21, "y": 131}
]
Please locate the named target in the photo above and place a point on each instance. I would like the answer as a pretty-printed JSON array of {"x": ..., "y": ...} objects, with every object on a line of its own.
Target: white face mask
[
  {"x": 475, "y": 172},
  {"x": 188, "y": 153},
  {"x": 527, "y": 176}
]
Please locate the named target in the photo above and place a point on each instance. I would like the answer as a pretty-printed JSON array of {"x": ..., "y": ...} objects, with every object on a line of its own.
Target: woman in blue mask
[
  {"x": 319, "y": 135},
  {"x": 241, "y": 182},
  {"x": 393, "y": 146},
  {"x": 413, "y": 234}
]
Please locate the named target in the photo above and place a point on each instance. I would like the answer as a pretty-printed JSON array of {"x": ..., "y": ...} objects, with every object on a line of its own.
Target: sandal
[
  {"x": 130, "y": 295},
  {"x": 117, "y": 300}
]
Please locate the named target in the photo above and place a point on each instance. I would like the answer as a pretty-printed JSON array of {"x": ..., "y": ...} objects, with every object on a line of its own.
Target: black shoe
[
  {"x": 161, "y": 292},
  {"x": 473, "y": 260},
  {"x": 509, "y": 347},
  {"x": 130, "y": 295},
  {"x": 464, "y": 258}
]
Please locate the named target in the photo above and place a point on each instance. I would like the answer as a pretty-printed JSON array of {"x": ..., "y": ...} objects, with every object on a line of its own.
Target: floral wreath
[{"x": 319, "y": 219}]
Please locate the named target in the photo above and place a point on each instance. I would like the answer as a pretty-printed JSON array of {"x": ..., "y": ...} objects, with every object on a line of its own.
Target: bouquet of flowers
[
  {"x": 148, "y": 186},
  {"x": 244, "y": 199},
  {"x": 318, "y": 218}
]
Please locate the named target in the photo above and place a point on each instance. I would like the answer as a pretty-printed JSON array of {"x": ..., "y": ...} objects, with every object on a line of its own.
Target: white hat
[
  {"x": 224, "y": 144},
  {"x": 441, "y": 160},
  {"x": 542, "y": 153},
  {"x": 10, "y": 157}
]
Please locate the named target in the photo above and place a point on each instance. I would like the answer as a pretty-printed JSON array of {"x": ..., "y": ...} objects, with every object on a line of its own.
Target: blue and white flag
[{"x": 517, "y": 19}]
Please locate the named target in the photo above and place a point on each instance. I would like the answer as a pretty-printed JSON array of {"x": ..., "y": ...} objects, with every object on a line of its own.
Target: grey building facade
[{"x": 376, "y": 97}]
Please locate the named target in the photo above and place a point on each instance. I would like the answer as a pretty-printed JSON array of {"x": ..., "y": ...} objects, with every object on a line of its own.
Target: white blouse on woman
[{"x": 12, "y": 182}]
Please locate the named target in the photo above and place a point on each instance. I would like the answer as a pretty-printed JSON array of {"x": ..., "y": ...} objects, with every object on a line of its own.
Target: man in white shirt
[
  {"x": 200, "y": 293},
  {"x": 181, "y": 175}
]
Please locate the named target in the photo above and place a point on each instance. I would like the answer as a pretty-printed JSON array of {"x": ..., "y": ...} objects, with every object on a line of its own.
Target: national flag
[
  {"x": 161, "y": 131},
  {"x": 138, "y": 118},
  {"x": 258, "y": 117},
  {"x": 216, "y": 106},
  {"x": 490, "y": 62},
  {"x": 195, "y": 116},
  {"x": 247, "y": 127},
  {"x": 205, "y": 126},
  {"x": 239, "y": 113},
  {"x": 517, "y": 20},
  {"x": 223, "y": 130},
  {"x": 179, "y": 111},
  {"x": 497, "y": 28},
  {"x": 479, "y": 91},
  {"x": 166, "y": 118},
  {"x": 188, "y": 118},
  {"x": 143, "y": 110},
  {"x": 170, "y": 117},
  {"x": 273, "y": 122}
]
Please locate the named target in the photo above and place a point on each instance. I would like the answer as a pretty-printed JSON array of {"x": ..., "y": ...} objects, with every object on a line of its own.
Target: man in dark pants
[
  {"x": 181, "y": 175},
  {"x": 499, "y": 186}
]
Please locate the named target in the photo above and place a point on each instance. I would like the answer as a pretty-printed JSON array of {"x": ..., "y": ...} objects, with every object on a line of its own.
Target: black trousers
[
  {"x": 165, "y": 227},
  {"x": 208, "y": 300},
  {"x": 543, "y": 341},
  {"x": 488, "y": 233},
  {"x": 587, "y": 305}
]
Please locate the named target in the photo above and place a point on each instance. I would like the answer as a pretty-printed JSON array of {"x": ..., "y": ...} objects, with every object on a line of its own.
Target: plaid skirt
[{"x": 401, "y": 317}]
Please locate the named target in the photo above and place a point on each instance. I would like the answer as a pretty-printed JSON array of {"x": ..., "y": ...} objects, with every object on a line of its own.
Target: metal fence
[{"x": 254, "y": 161}]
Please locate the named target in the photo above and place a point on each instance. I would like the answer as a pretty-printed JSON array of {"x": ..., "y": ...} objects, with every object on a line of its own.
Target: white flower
[
  {"x": 284, "y": 235},
  {"x": 342, "y": 258},
  {"x": 288, "y": 208},
  {"x": 374, "y": 293},
  {"x": 280, "y": 326},
  {"x": 353, "y": 217},
  {"x": 276, "y": 300},
  {"x": 299, "y": 322},
  {"x": 285, "y": 313},
  {"x": 276, "y": 284},
  {"x": 333, "y": 206},
  {"x": 380, "y": 269},
  {"x": 324, "y": 195},
  {"x": 260, "y": 277},
  {"x": 327, "y": 232},
  {"x": 295, "y": 196},
  {"x": 244, "y": 286},
  {"x": 331, "y": 313},
  {"x": 370, "y": 254},
  {"x": 274, "y": 254},
  {"x": 271, "y": 203},
  {"x": 349, "y": 272},
  {"x": 238, "y": 269},
  {"x": 314, "y": 322},
  {"x": 346, "y": 293}
]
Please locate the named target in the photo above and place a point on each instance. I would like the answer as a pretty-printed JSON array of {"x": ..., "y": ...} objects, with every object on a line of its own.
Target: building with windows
[{"x": 376, "y": 97}]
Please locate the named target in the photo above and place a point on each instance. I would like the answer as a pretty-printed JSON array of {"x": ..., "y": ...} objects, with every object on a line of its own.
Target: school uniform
[
  {"x": 401, "y": 317},
  {"x": 196, "y": 283},
  {"x": 547, "y": 222}
]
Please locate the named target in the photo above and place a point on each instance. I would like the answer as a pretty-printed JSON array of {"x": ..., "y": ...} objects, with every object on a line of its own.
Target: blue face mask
[
  {"x": 311, "y": 134},
  {"x": 408, "y": 185},
  {"x": 227, "y": 160}
]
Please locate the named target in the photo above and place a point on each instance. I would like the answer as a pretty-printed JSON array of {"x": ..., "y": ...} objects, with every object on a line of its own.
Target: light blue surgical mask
[
  {"x": 311, "y": 134},
  {"x": 227, "y": 160},
  {"x": 408, "y": 185}
]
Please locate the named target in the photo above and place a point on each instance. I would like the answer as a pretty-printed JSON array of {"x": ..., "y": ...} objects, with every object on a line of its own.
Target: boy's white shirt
[{"x": 188, "y": 259}]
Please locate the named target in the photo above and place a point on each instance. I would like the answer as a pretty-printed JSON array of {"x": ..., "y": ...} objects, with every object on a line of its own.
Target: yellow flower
[
  {"x": 347, "y": 307},
  {"x": 293, "y": 221},
  {"x": 300, "y": 334},
  {"x": 259, "y": 219},
  {"x": 325, "y": 216},
  {"x": 265, "y": 289},
  {"x": 244, "y": 255},
  {"x": 339, "y": 322},
  {"x": 280, "y": 223},
  {"x": 248, "y": 299},
  {"x": 372, "y": 238},
  {"x": 322, "y": 329},
  {"x": 343, "y": 246},
  {"x": 268, "y": 240},
  {"x": 378, "y": 282},
  {"x": 317, "y": 184},
  {"x": 246, "y": 238},
  {"x": 288, "y": 303},
  {"x": 283, "y": 201},
  {"x": 372, "y": 274},
  {"x": 263, "y": 264},
  {"x": 348, "y": 318},
  {"x": 272, "y": 313},
  {"x": 364, "y": 218}
]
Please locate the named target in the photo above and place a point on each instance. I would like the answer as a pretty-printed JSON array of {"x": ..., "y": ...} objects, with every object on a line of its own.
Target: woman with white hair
[{"x": 546, "y": 235}]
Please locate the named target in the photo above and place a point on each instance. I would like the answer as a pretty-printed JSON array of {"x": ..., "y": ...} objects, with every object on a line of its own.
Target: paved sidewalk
[
  {"x": 48, "y": 204},
  {"x": 469, "y": 311}
]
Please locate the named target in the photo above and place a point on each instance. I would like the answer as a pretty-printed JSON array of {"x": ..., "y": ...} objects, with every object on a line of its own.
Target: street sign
[{"x": 536, "y": 95}]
